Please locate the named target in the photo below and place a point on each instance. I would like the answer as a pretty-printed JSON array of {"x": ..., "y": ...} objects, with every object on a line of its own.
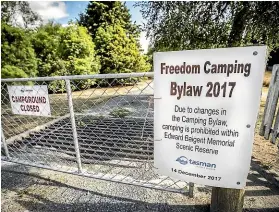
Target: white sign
[
  {"x": 29, "y": 100},
  {"x": 206, "y": 106}
]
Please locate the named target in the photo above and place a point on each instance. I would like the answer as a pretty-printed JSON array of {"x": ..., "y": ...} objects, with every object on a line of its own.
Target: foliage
[
  {"x": 115, "y": 36},
  {"x": 15, "y": 12},
  {"x": 108, "y": 13},
  {"x": 105, "y": 42},
  {"x": 118, "y": 53},
  {"x": 18, "y": 58},
  {"x": 193, "y": 25},
  {"x": 65, "y": 51},
  {"x": 76, "y": 47},
  {"x": 149, "y": 55},
  {"x": 120, "y": 113},
  {"x": 46, "y": 41},
  {"x": 9, "y": 71}
]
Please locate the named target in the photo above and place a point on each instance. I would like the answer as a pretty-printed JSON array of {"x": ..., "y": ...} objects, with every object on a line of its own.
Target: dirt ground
[
  {"x": 265, "y": 152},
  {"x": 32, "y": 189}
]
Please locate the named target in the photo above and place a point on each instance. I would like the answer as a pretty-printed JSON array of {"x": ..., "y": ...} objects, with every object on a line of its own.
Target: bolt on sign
[
  {"x": 206, "y": 106},
  {"x": 29, "y": 100}
]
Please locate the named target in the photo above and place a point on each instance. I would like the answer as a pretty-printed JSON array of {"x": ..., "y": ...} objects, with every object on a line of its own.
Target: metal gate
[{"x": 101, "y": 126}]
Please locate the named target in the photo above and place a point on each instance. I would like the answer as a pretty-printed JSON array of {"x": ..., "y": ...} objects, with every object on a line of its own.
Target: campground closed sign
[
  {"x": 29, "y": 100},
  {"x": 206, "y": 106}
]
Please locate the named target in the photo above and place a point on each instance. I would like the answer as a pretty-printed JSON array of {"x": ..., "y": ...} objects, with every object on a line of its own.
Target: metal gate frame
[{"x": 171, "y": 185}]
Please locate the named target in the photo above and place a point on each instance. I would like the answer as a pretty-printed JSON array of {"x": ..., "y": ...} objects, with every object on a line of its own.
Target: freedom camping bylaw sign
[{"x": 206, "y": 106}]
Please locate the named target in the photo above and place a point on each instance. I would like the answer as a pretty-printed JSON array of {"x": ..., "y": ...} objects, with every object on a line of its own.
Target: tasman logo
[
  {"x": 182, "y": 160},
  {"x": 185, "y": 161}
]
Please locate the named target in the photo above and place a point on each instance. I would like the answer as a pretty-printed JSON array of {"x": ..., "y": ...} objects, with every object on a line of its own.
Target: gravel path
[
  {"x": 43, "y": 190},
  {"x": 32, "y": 189}
]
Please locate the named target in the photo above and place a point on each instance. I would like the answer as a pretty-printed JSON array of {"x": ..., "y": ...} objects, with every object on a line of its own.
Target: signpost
[
  {"x": 29, "y": 100},
  {"x": 206, "y": 106}
]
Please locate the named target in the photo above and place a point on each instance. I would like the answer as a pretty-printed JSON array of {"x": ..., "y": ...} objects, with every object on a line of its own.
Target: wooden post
[
  {"x": 191, "y": 190},
  {"x": 275, "y": 129},
  {"x": 268, "y": 101},
  {"x": 273, "y": 102},
  {"x": 227, "y": 200}
]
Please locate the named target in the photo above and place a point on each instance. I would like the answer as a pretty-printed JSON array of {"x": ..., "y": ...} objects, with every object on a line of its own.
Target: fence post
[
  {"x": 275, "y": 129},
  {"x": 273, "y": 102},
  {"x": 227, "y": 200},
  {"x": 267, "y": 102},
  {"x": 4, "y": 143},
  {"x": 191, "y": 189},
  {"x": 73, "y": 122}
]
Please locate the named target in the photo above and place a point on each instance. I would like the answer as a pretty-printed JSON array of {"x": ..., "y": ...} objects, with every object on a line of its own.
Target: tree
[
  {"x": 118, "y": 53},
  {"x": 46, "y": 41},
  {"x": 102, "y": 13},
  {"x": 18, "y": 58},
  {"x": 76, "y": 47},
  {"x": 192, "y": 25},
  {"x": 15, "y": 12},
  {"x": 65, "y": 51},
  {"x": 115, "y": 36},
  {"x": 149, "y": 55}
]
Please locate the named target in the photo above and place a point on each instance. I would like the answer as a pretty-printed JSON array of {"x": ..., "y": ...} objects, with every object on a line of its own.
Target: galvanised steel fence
[{"x": 101, "y": 126}]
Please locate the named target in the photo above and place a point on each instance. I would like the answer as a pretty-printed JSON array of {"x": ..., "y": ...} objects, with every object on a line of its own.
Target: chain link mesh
[{"x": 113, "y": 118}]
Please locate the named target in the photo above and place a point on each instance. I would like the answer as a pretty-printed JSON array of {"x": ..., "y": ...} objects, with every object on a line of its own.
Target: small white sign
[
  {"x": 29, "y": 100},
  {"x": 206, "y": 106}
]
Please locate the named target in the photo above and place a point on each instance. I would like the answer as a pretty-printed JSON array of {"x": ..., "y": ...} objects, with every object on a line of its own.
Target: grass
[
  {"x": 120, "y": 112},
  {"x": 267, "y": 78}
]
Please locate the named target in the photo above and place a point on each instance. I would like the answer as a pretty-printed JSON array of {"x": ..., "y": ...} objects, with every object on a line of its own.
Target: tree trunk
[{"x": 238, "y": 25}]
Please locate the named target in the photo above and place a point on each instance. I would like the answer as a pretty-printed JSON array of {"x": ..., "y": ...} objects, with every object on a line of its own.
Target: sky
[{"x": 64, "y": 11}]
